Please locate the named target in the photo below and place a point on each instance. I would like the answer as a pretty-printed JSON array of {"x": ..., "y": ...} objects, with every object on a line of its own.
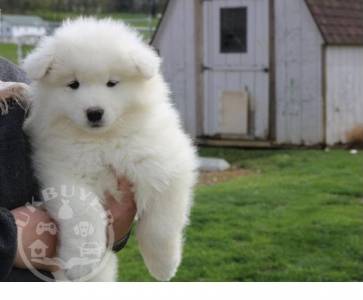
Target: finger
[
  {"x": 124, "y": 184},
  {"x": 109, "y": 197},
  {"x": 113, "y": 171}
]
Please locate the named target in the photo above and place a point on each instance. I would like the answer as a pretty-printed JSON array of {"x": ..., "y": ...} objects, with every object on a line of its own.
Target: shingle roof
[{"x": 340, "y": 21}]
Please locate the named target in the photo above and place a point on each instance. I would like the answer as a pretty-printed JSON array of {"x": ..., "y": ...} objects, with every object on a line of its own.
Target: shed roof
[{"x": 340, "y": 21}]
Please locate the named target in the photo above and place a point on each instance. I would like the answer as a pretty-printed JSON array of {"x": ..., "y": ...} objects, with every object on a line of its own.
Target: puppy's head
[{"x": 91, "y": 72}]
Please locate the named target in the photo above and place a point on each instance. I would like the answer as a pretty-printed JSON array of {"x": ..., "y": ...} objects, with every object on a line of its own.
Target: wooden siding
[
  {"x": 299, "y": 95},
  {"x": 175, "y": 43},
  {"x": 236, "y": 72},
  {"x": 344, "y": 98}
]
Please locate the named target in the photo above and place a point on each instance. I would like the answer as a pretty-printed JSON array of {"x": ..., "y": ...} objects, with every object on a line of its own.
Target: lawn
[
  {"x": 298, "y": 217},
  {"x": 9, "y": 51}
]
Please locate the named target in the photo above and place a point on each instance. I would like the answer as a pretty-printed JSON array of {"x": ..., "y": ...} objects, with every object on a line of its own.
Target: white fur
[{"x": 141, "y": 138}]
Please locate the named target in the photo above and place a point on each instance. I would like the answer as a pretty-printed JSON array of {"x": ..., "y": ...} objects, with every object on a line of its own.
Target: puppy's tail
[{"x": 15, "y": 91}]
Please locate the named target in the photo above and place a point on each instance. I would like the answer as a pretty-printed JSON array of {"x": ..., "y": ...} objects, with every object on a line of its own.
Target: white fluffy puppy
[{"x": 100, "y": 108}]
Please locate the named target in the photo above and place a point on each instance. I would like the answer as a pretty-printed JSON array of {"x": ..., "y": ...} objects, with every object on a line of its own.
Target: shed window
[{"x": 234, "y": 30}]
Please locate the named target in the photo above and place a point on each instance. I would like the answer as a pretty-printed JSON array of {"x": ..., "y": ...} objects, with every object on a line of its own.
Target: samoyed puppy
[{"x": 101, "y": 109}]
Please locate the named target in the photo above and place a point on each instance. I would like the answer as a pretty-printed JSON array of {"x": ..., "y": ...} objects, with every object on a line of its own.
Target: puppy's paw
[
  {"x": 164, "y": 270},
  {"x": 82, "y": 269},
  {"x": 79, "y": 272},
  {"x": 107, "y": 272}
]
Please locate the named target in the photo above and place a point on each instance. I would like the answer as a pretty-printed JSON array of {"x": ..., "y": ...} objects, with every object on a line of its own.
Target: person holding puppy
[{"x": 18, "y": 187}]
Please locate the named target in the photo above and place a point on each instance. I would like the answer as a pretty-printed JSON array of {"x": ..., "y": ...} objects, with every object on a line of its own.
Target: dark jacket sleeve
[
  {"x": 8, "y": 135},
  {"x": 8, "y": 242},
  {"x": 17, "y": 183}
]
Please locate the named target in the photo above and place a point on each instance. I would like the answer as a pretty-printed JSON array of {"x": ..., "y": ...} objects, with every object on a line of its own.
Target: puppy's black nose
[{"x": 94, "y": 114}]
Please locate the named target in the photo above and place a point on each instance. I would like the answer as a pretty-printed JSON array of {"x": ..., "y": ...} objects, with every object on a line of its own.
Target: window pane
[{"x": 234, "y": 30}]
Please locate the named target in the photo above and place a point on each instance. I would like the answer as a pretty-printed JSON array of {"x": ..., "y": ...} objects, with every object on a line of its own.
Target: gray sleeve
[
  {"x": 8, "y": 232},
  {"x": 11, "y": 72}
]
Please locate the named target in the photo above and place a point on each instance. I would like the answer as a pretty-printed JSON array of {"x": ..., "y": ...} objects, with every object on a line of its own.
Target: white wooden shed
[{"x": 263, "y": 72}]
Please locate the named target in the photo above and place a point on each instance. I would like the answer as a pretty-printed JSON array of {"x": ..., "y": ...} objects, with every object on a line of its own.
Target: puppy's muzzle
[{"x": 95, "y": 116}]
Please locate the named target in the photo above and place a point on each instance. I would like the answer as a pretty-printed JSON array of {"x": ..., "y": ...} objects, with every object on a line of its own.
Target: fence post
[
  {"x": 1, "y": 23},
  {"x": 19, "y": 49}
]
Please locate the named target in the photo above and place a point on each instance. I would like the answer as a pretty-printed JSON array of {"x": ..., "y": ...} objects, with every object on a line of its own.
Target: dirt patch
[{"x": 212, "y": 178}]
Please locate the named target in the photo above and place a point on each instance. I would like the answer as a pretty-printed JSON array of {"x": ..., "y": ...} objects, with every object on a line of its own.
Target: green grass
[
  {"x": 299, "y": 217},
  {"x": 9, "y": 51}
]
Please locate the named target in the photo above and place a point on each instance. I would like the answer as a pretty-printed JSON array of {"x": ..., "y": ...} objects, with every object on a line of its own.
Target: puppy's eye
[
  {"x": 112, "y": 83},
  {"x": 74, "y": 84}
]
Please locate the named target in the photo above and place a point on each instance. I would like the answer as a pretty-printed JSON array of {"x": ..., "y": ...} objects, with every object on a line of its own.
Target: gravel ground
[{"x": 212, "y": 178}]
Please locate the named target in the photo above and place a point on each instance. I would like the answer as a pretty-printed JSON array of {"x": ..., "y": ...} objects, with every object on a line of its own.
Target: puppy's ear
[
  {"x": 146, "y": 62},
  {"x": 39, "y": 62}
]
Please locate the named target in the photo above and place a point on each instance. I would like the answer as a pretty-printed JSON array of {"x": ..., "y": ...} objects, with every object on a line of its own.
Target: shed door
[{"x": 236, "y": 75}]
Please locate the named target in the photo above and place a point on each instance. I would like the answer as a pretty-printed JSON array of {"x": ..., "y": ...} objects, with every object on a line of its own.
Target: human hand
[
  {"x": 124, "y": 211},
  {"x": 27, "y": 219},
  {"x": 17, "y": 91}
]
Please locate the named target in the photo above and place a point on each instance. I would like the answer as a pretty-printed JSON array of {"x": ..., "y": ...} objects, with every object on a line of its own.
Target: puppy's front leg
[
  {"x": 82, "y": 223},
  {"x": 160, "y": 232}
]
